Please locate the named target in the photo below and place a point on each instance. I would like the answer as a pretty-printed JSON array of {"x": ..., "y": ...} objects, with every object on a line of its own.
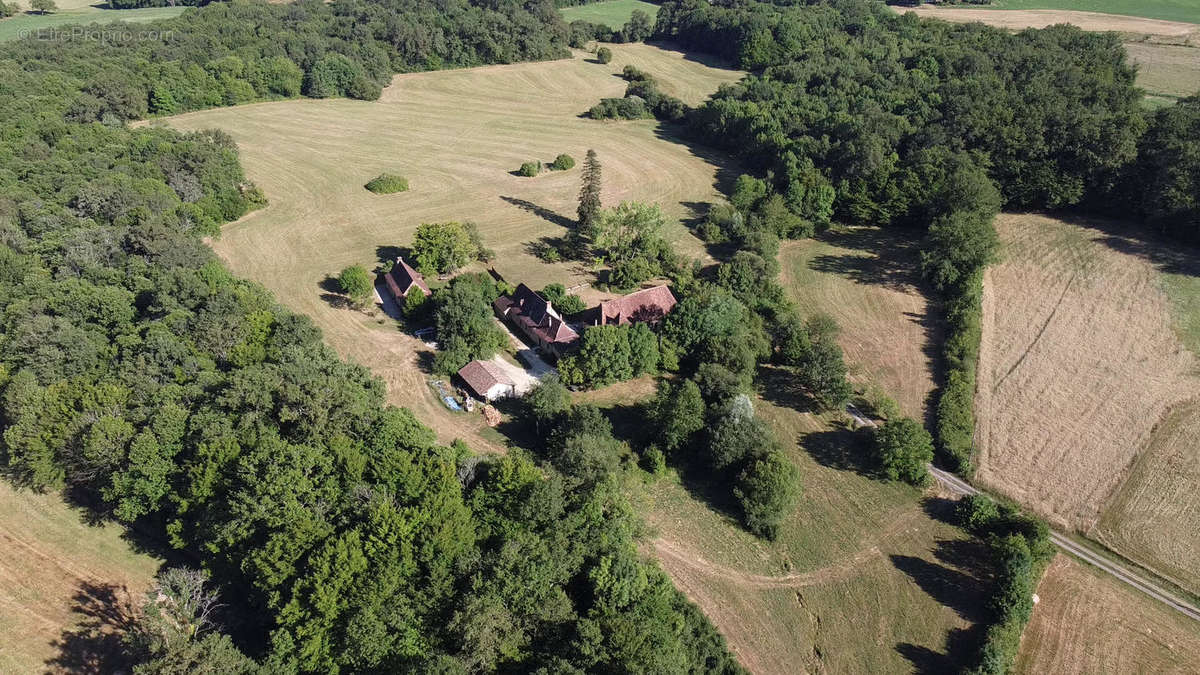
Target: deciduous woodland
[{"x": 143, "y": 379}]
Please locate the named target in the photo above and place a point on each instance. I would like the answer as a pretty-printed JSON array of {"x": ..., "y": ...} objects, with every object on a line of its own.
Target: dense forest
[{"x": 138, "y": 375}]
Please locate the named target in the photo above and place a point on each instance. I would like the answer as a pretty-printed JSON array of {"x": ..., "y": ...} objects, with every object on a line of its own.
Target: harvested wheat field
[
  {"x": 867, "y": 279},
  {"x": 1152, "y": 518},
  {"x": 1017, "y": 19},
  {"x": 68, "y": 586},
  {"x": 1087, "y": 622},
  {"x": 1168, "y": 70},
  {"x": 861, "y": 578},
  {"x": 1079, "y": 369},
  {"x": 458, "y": 136}
]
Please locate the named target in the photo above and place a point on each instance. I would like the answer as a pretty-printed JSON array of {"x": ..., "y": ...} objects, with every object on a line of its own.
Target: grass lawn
[
  {"x": 867, "y": 279},
  {"x": 77, "y": 13},
  {"x": 68, "y": 585},
  {"x": 613, "y": 13},
  {"x": 1186, "y": 11},
  {"x": 458, "y": 136},
  {"x": 861, "y": 579},
  {"x": 1166, "y": 71}
]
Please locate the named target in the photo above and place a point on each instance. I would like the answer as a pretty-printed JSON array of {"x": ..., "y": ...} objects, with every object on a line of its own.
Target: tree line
[{"x": 229, "y": 53}]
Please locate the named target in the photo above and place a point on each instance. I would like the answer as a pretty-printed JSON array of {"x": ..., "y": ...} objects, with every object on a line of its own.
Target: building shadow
[
  {"x": 387, "y": 253},
  {"x": 96, "y": 644}
]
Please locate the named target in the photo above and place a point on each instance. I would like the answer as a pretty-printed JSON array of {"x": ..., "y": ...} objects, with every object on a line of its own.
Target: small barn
[
  {"x": 487, "y": 381},
  {"x": 402, "y": 280}
]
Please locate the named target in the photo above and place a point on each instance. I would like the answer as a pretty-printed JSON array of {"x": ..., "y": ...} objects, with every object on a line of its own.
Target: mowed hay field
[
  {"x": 1087, "y": 396},
  {"x": 867, "y": 279},
  {"x": 457, "y": 136},
  {"x": 1088, "y": 622},
  {"x": 861, "y": 578},
  {"x": 68, "y": 586}
]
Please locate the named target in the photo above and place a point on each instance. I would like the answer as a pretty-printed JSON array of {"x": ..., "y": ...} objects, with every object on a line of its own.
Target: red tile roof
[{"x": 649, "y": 305}]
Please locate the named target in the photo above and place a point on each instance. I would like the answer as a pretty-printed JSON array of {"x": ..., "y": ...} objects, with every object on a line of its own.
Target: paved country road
[
  {"x": 1125, "y": 574},
  {"x": 1103, "y": 562}
]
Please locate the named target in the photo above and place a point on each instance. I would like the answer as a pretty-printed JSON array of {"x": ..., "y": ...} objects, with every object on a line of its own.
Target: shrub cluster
[
  {"x": 1021, "y": 548},
  {"x": 563, "y": 162},
  {"x": 566, "y": 303},
  {"x": 466, "y": 329},
  {"x": 706, "y": 425},
  {"x": 642, "y": 100},
  {"x": 531, "y": 168},
  {"x": 387, "y": 183}
]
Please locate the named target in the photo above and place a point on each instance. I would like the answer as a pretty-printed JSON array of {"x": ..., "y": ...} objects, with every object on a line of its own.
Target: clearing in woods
[
  {"x": 77, "y": 13},
  {"x": 867, "y": 279},
  {"x": 613, "y": 13},
  {"x": 69, "y": 586},
  {"x": 458, "y": 136},
  {"x": 1087, "y": 396},
  {"x": 1088, "y": 622}
]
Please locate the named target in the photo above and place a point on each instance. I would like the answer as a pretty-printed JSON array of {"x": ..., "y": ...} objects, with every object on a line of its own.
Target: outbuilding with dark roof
[
  {"x": 402, "y": 279},
  {"x": 487, "y": 381}
]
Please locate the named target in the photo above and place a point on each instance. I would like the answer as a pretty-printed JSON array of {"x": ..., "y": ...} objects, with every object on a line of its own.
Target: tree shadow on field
[
  {"x": 1170, "y": 256},
  {"x": 778, "y": 385},
  {"x": 841, "y": 449},
  {"x": 949, "y": 587},
  {"x": 709, "y": 60},
  {"x": 941, "y": 509},
  {"x": 961, "y": 645},
  {"x": 727, "y": 166},
  {"x": 891, "y": 259},
  {"x": 387, "y": 253},
  {"x": 540, "y": 211},
  {"x": 333, "y": 293},
  {"x": 95, "y": 645}
]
